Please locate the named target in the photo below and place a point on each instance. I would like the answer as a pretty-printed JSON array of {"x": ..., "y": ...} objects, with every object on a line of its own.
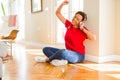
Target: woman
[{"x": 76, "y": 33}]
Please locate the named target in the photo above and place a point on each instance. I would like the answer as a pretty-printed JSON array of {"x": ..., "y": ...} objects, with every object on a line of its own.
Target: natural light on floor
[
  {"x": 102, "y": 67},
  {"x": 114, "y": 75}
]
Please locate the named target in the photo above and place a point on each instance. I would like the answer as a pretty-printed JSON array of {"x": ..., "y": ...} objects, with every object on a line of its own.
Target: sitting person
[{"x": 75, "y": 36}]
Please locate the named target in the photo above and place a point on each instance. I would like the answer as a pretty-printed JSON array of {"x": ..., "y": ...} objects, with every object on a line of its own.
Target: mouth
[{"x": 73, "y": 22}]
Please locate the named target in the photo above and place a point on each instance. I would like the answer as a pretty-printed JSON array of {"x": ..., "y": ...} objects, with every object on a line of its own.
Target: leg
[
  {"x": 49, "y": 52},
  {"x": 72, "y": 57},
  {"x": 53, "y": 53}
]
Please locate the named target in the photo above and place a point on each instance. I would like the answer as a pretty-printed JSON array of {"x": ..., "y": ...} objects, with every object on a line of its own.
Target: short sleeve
[{"x": 67, "y": 23}]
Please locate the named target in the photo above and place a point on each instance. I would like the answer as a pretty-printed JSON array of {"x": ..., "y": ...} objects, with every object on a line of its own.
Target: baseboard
[
  {"x": 102, "y": 59},
  {"x": 91, "y": 58}
]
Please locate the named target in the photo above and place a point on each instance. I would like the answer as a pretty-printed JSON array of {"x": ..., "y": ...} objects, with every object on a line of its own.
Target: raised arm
[{"x": 58, "y": 11}]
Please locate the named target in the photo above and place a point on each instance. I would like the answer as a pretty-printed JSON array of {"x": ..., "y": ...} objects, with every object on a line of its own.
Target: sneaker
[
  {"x": 40, "y": 59},
  {"x": 57, "y": 62}
]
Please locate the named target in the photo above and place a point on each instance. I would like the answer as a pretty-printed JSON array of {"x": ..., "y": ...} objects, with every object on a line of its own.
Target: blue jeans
[{"x": 55, "y": 53}]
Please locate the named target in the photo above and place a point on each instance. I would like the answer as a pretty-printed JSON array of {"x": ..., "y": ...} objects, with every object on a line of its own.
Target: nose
[{"x": 74, "y": 19}]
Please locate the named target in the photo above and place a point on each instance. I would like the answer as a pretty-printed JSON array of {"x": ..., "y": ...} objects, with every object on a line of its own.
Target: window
[
  {"x": 68, "y": 11},
  {"x": 3, "y": 7}
]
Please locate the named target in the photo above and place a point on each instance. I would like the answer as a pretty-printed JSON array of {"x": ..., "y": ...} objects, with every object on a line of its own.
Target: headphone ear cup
[{"x": 80, "y": 23}]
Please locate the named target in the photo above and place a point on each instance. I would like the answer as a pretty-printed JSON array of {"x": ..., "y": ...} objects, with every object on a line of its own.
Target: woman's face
[{"x": 76, "y": 20}]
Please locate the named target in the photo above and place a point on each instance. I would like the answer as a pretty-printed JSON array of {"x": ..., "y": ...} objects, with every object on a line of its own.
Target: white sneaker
[
  {"x": 57, "y": 62},
  {"x": 40, "y": 59}
]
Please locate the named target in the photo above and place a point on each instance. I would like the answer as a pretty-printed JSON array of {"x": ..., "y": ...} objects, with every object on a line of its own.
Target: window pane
[{"x": 75, "y": 5}]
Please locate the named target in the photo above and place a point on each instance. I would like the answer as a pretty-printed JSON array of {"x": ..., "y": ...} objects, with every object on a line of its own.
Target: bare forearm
[
  {"x": 58, "y": 11},
  {"x": 90, "y": 36}
]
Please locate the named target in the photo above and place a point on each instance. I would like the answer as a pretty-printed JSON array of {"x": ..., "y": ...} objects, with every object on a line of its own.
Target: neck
[{"x": 75, "y": 26}]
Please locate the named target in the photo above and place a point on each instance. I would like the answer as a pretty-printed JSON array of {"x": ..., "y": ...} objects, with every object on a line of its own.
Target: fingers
[
  {"x": 65, "y": 2},
  {"x": 82, "y": 24}
]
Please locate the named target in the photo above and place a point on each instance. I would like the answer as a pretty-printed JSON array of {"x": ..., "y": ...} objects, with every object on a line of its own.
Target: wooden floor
[{"x": 23, "y": 67}]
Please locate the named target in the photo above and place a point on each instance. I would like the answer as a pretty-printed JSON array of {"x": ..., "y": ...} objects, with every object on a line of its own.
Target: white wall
[
  {"x": 38, "y": 25},
  {"x": 104, "y": 22},
  {"x": 107, "y": 26},
  {"x": 92, "y": 48},
  {"x": 118, "y": 27}
]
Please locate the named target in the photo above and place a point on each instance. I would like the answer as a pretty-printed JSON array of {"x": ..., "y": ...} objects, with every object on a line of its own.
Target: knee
[{"x": 45, "y": 49}]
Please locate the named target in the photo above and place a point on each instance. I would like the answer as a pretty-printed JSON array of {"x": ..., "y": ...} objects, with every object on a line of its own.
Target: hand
[
  {"x": 65, "y": 2},
  {"x": 82, "y": 24}
]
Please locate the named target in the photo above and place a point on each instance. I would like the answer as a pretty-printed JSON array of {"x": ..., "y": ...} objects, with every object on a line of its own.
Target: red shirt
[{"x": 74, "y": 38}]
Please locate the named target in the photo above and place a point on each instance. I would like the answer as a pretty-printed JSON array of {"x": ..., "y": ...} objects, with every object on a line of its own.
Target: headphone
[{"x": 81, "y": 22}]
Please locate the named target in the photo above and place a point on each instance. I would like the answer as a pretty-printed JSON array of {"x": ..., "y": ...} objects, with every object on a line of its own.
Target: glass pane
[
  {"x": 65, "y": 9},
  {"x": 60, "y": 35},
  {"x": 75, "y": 5},
  {"x": 72, "y": 14},
  {"x": 60, "y": 32}
]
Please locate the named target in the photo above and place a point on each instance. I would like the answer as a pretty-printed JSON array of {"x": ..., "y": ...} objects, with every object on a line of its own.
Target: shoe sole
[{"x": 59, "y": 62}]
